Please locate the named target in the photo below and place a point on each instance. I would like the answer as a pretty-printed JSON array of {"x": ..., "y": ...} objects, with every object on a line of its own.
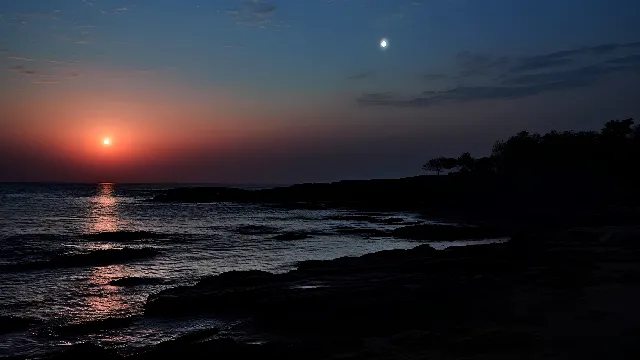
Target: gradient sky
[{"x": 298, "y": 90}]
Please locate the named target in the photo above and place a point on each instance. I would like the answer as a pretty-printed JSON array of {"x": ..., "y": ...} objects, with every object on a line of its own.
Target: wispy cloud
[
  {"x": 566, "y": 57},
  {"x": 362, "y": 75},
  {"x": 116, "y": 11},
  {"x": 254, "y": 13},
  {"x": 471, "y": 64},
  {"x": 522, "y": 77},
  {"x": 20, "y": 69},
  {"x": 45, "y": 82},
  {"x": 20, "y": 58}
]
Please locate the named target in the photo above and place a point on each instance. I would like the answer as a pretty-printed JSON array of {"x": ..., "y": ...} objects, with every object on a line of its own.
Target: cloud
[
  {"x": 254, "y": 13},
  {"x": 528, "y": 76},
  {"x": 23, "y": 70},
  {"x": 540, "y": 64},
  {"x": 626, "y": 60},
  {"x": 586, "y": 50},
  {"x": 469, "y": 93},
  {"x": 471, "y": 64},
  {"x": 476, "y": 65},
  {"x": 20, "y": 58},
  {"x": 116, "y": 11},
  {"x": 362, "y": 75}
]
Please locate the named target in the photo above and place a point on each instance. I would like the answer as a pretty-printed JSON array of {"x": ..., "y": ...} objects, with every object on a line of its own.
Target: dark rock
[
  {"x": 446, "y": 232},
  {"x": 363, "y": 231},
  {"x": 368, "y": 218},
  {"x": 85, "y": 351},
  {"x": 256, "y": 230},
  {"x": 219, "y": 349},
  {"x": 136, "y": 281},
  {"x": 9, "y": 324},
  {"x": 236, "y": 278},
  {"x": 353, "y": 218},
  {"x": 224, "y": 293},
  {"x": 532, "y": 296}
]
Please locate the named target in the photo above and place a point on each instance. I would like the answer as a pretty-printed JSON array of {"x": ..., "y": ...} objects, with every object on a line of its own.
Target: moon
[{"x": 384, "y": 44}]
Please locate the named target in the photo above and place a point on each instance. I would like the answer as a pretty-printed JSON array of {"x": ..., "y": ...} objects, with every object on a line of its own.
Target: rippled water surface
[{"x": 41, "y": 223}]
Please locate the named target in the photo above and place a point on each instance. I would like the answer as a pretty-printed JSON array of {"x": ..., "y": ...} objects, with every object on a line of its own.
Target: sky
[{"x": 286, "y": 91}]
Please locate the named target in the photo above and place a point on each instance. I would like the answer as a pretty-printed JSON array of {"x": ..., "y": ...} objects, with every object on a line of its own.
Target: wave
[
  {"x": 136, "y": 281},
  {"x": 256, "y": 230},
  {"x": 29, "y": 247},
  {"x": 92, "y": 258},
  {"x": 293, "y": 235},
  {"x": 122, "y": 236},
  {"x": 95, "y": 326},
  {"x": 362, "y": 231}
]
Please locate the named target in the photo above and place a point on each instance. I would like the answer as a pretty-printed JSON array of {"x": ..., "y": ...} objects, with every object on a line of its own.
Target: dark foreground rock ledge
[
  {"x": 561, "y": 295},
  {"x": 569, "y": 294}
]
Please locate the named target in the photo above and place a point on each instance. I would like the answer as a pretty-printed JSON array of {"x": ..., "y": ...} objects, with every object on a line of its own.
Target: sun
[
  {"x": 106, "y": 142},
  {"x": 384, "y": 44}
]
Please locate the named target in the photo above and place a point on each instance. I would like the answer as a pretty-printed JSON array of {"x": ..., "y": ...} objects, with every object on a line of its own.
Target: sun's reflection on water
[
  {"x": 104, "y": 209},
  {"x": 107, "y": 301}
]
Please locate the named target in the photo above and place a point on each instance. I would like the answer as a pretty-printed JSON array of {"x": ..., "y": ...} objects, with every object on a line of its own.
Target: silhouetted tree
[
  {"x": 466, "y": 162},
  {"x": 484, "y": 165},
  {"x": 440, "y": 163},
  {"x": 618, "y": 129},
  {"x": 580, "y": 156}
]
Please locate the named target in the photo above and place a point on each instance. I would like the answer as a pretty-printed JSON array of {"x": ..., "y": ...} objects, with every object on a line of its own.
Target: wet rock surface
[
  {"x": 447, "y": 232},
  {"x": 538, "y": 296}
]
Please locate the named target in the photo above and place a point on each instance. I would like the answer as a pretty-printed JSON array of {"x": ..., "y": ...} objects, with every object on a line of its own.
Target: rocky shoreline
[{"x": 554, "y": 294}]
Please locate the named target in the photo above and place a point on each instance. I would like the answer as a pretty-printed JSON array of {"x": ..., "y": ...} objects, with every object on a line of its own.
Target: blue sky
[{"x": 296, "y": 83}]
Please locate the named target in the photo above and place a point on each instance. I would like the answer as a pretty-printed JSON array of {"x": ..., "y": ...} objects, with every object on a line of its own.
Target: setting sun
[{"x": 107, "y": 142}]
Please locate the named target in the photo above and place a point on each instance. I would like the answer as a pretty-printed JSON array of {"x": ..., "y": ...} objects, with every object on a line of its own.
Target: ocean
[{"x": 63, "y": 246}]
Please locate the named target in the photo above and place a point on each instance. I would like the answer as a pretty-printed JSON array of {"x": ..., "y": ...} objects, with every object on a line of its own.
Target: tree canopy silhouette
[{"x": 612, "y": 153}]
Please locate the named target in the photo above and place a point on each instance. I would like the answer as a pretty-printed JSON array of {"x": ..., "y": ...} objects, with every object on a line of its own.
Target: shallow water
[{"x": 41, "y": 222}]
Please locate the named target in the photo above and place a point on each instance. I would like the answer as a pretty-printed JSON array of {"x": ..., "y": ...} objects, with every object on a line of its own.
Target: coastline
[
  {"x": 569, "y": 273},
  {"x": 538, "y": 296}
]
